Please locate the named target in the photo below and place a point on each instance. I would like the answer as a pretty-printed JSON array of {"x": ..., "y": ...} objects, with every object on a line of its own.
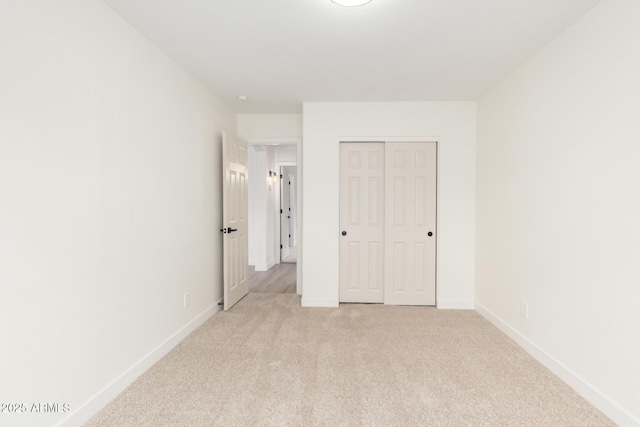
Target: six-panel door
[
  {"x": 410, "y": 209},
  {"x": 235, "y": 219},
  {"x": 362, "y": 222}
]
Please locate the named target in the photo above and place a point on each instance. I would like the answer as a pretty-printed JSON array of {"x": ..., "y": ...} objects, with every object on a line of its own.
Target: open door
[{"x": 234, "y": 219}]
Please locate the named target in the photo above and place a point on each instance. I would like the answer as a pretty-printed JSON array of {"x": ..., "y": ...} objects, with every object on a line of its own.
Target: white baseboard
[
  {"x": 96, "y": 403},
  {"x": 319, "y": 302},
  {"x": 594, "y": 396},
  {"x": 265, "y": 267},
  {"x": 456, "y": 304}
]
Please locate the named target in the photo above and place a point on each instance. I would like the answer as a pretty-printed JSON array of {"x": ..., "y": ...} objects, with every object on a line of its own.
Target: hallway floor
[
  {"x": 293, "y": 255},
  {"x": 279, "y": 279}
]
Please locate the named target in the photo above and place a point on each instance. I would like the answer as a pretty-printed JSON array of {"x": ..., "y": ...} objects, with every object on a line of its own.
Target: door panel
[
  {"x": 285, "y": 214},
  {"x": 234, "y": 219},
  {"x": 362, "y": 218},
  {"x": 410, "y": 255},
  {"x": 292, "y": 211}
]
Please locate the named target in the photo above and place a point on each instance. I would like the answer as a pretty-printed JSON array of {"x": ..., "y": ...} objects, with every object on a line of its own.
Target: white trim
[
  {"x": 265, "y": 267},
  {"x": 274, "y": 141},
  {"x": 431, "y": 138},
  {"x": 299, "y": 183},
  {"x": 96, "y": 403},
  {"x": 587, "y": 390},
  {"x": 455, "y": 304},
  {"x": 319, "y": 302}
]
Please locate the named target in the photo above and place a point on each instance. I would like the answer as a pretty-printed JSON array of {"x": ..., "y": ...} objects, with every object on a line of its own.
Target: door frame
[
  {"x": 298, "y": 143},
  {"x": 391, "y": 140}
]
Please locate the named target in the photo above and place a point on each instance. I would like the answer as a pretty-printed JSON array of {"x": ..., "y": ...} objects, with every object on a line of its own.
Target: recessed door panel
[
  {"x": 354, "y": 265},
  {"x": 376, "y": 266},
  {"x": 420, "y": 268},
  {"x": 398, "y": 273},
  {"x": 376, "y": 200},
  {"x": 398, "y": 200},
  {"x": 355, "y": 200}
]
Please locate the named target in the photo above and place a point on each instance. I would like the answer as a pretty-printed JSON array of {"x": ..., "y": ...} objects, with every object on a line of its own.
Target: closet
[{"x": 388, "y": 222}]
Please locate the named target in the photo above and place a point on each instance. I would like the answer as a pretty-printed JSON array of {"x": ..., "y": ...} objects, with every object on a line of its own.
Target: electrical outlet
[
  {"x": 187, "y": 299},
  {"x": 524, "y": 310}
]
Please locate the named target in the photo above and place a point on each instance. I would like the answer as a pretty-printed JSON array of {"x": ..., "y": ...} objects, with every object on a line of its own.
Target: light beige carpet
[{"x": 269, "y": 361}]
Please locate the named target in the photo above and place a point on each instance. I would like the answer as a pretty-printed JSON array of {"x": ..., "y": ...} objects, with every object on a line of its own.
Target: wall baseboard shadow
[
  {"x": 265, "y": 267},
  {"x": 455, "y": 304},
  {"x": 442, "y": 304},
  {"x": 589, "y": 392},
  {"x": 96, "y": 403},
  {"x": 319, "y": 302}
]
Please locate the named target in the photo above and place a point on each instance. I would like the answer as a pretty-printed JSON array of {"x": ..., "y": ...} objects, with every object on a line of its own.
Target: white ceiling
[{"x": 283, "y": 52}]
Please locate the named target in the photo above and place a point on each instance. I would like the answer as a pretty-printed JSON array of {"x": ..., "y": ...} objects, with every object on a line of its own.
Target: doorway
[
  {"x": 273, "y": 243},
  {"x": 288, "y": 214}
]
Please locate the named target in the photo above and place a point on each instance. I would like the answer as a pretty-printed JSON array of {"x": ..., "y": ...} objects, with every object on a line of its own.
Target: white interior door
[
  {"x": 292, "y": 211},
  {"x": 410, "y": 227},
  {"x": 285, "y": 214},
  {"x": 234, "y": 217},
  {"x": 362, "y": 222}
]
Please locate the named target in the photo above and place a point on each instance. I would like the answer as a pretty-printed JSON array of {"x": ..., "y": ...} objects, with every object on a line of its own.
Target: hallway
[
  {"x": 293, "y": 255},
  {"x": 279, "y": 279}
]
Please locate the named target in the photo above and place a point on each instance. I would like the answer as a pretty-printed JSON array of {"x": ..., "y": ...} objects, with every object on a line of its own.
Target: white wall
[
  {"x": 252, "y": 168},
  {"x": 286, "y": 153},
  {"x": 110, "y": 188},
  {"x": 453, "y": 124},
  {"x": 272, "y": 202},
  {"x": 257, "y": 171},
  {"x": 269, "y": 126},
  {"x": 558, "y": 207},
  {"x": 262, "y": 207}
]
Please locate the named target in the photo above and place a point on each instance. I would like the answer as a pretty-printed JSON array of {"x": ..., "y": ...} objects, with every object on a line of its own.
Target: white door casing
[
  {"x": 410, "y": 251},
  {"x": 362, "y": 222},
  {"x": 235, "y": 219}
]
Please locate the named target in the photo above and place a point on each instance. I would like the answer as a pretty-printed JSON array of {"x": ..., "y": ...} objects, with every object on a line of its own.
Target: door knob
[
  {"x": 231, "y": 230},
  {"x": 344, "y": 233},
  {"x": 430, "y": 234}
]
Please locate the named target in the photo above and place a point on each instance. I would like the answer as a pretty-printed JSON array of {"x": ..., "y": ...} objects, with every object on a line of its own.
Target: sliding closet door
[
  {"x": 362, "y": 222},
  {"x": 410, "y": 227}
]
